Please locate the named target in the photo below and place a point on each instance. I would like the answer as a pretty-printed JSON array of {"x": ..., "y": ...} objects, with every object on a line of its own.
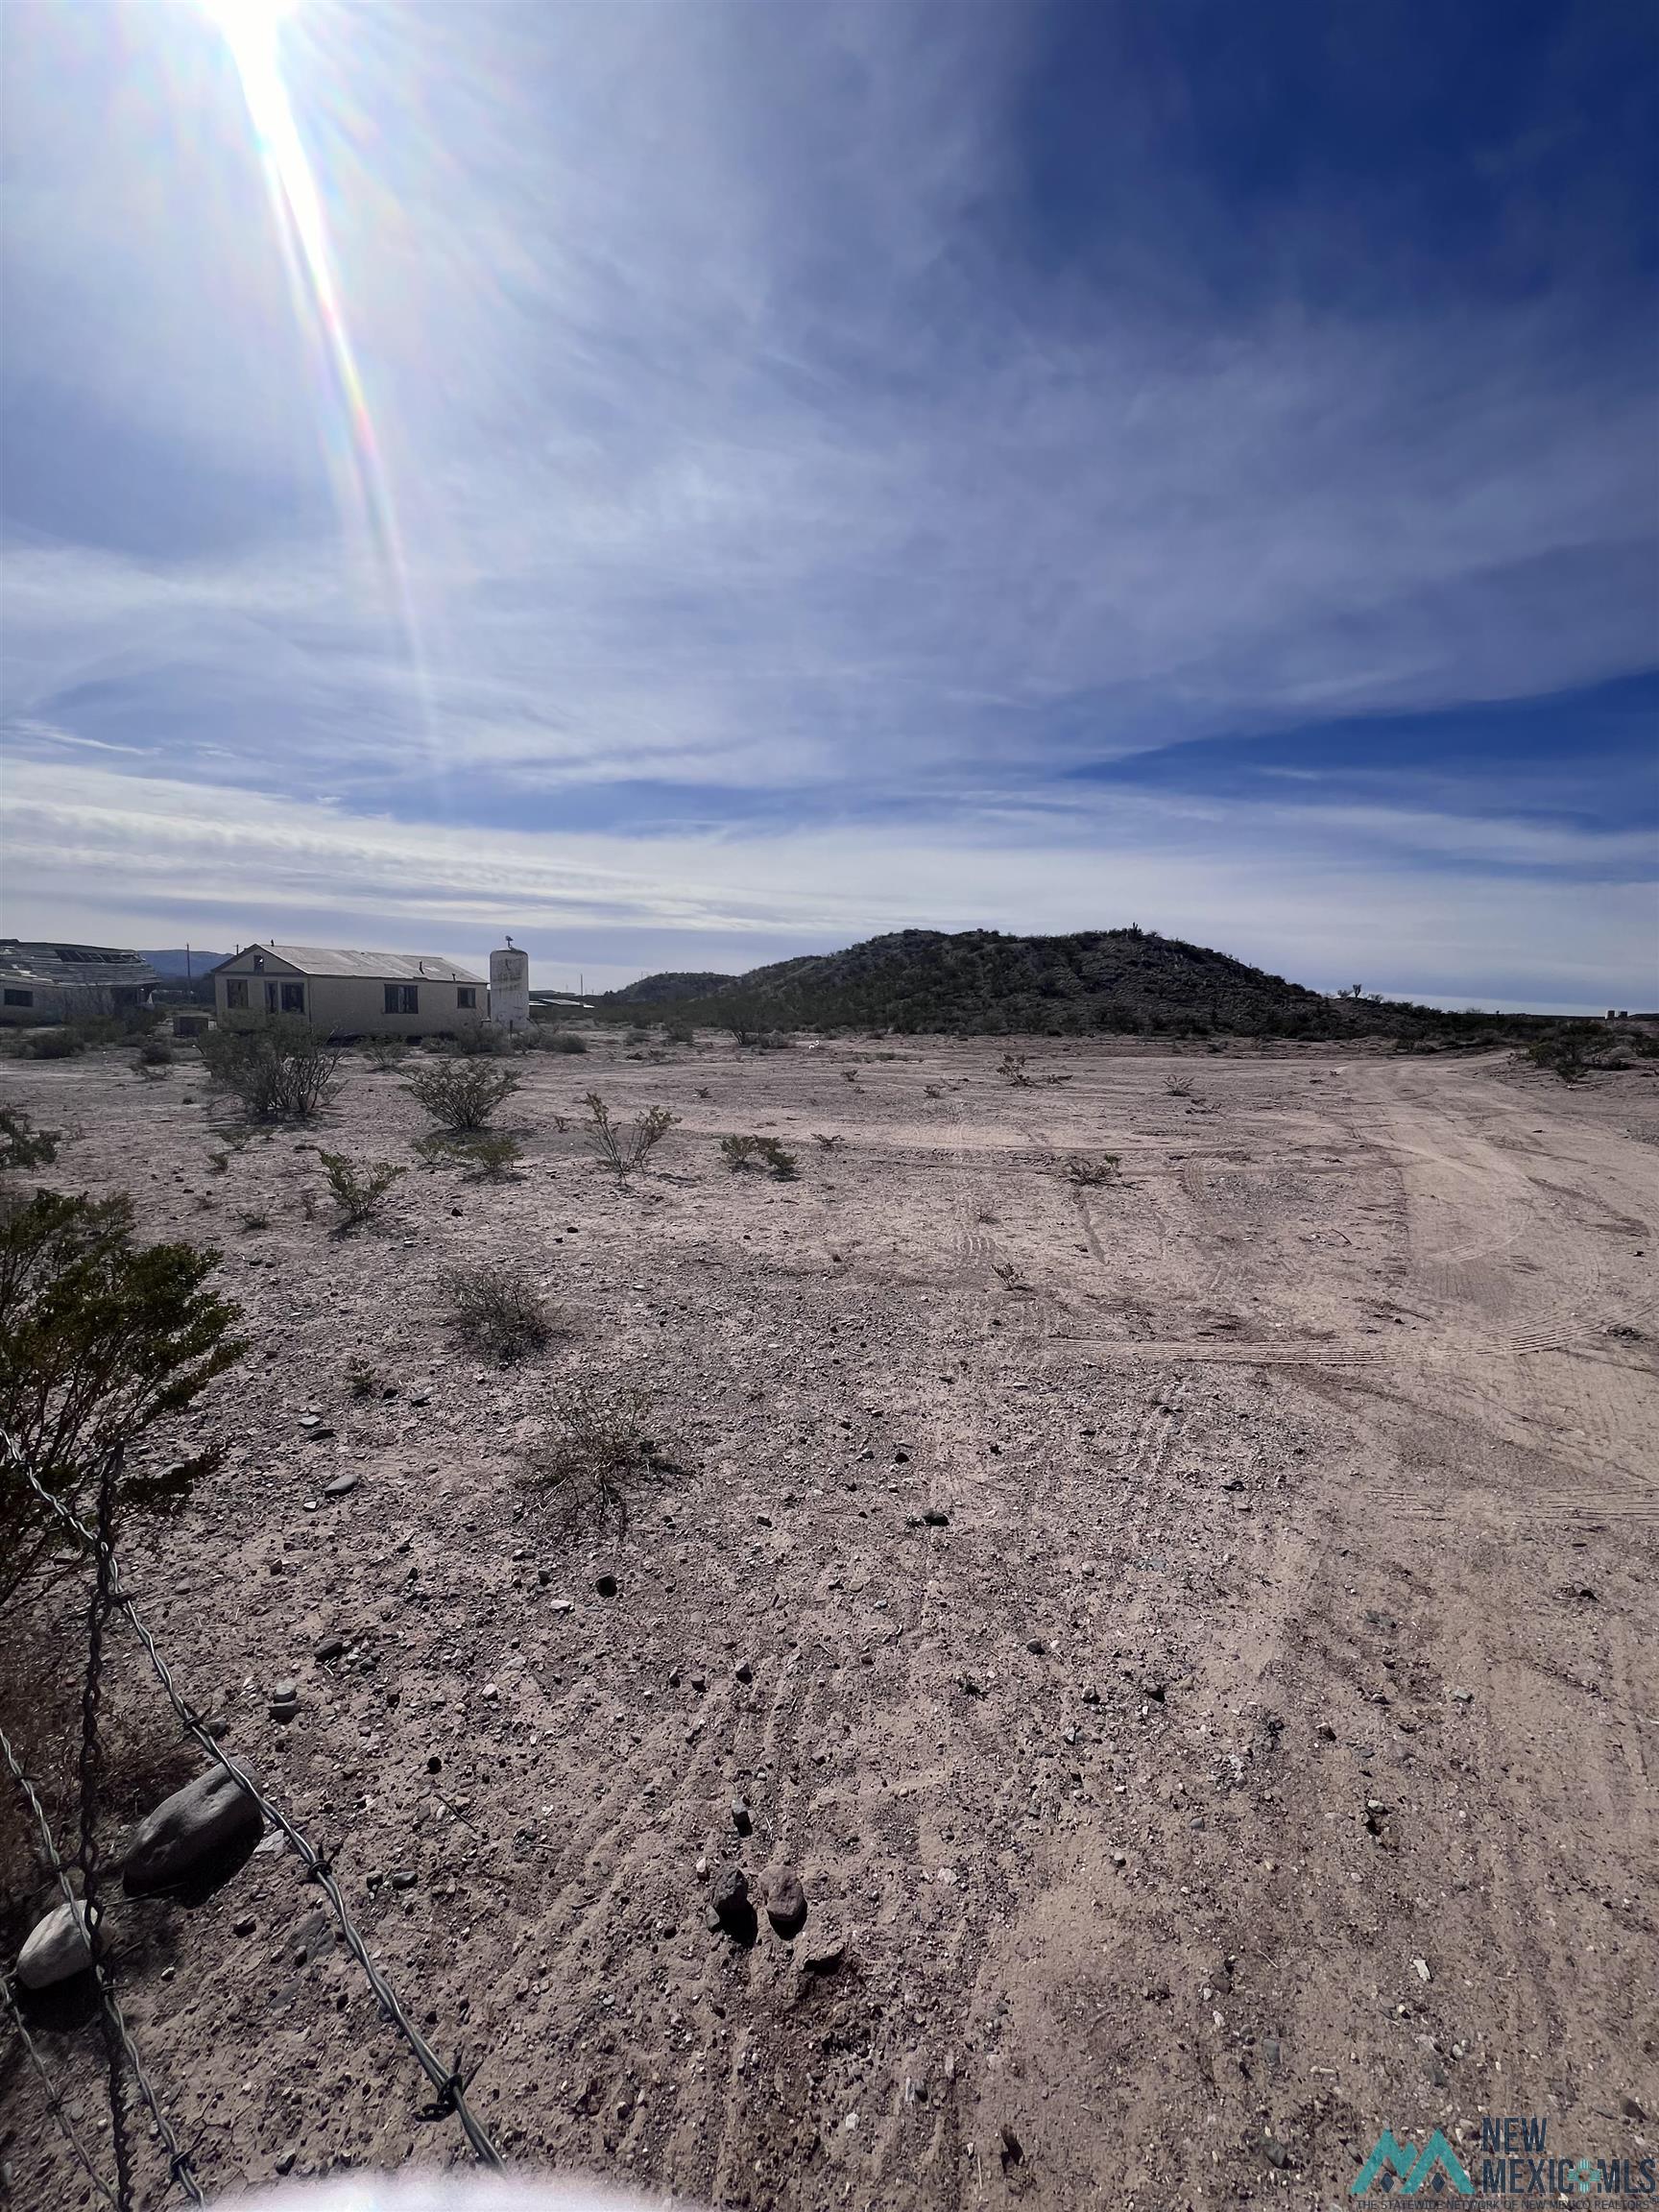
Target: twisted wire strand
[
  {"x": 177, "y": 2157},
  {"x": 448, "y": 2083},
  {"x": 55, "y": 2103},
  {"x": 90, "y": 1774}
]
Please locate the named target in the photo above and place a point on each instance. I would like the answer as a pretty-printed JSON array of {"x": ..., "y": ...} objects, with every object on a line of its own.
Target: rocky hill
[
  {"x": 673, "y": 983},
  {"x": 981, "y": 981}
]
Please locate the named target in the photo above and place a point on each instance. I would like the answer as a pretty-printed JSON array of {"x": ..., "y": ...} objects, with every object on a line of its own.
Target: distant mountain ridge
[
  {"x": 984, "y": 983},
  {"x": 173, "y": 962}
]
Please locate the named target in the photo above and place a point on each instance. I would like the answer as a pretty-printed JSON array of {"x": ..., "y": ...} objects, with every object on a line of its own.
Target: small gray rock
[
  {"x": 741, "y": 1818},
  {"x": 402, "y": 1878},
  {"x": 786, "y": 1900},
  {"x": 284, "y": 1701},
  {"x": 729, "y": 1899},
  {"x": 330, "y": 1647},
  {"x": 56, "y": 1949},
  {"x": 205, "y": 1817},
  {"x": 824, "y": 1956},
  {"x": 936, "y": 1518},
  {"x": 342, "y": 1486},
  {"x": 743, "y": 1672}
]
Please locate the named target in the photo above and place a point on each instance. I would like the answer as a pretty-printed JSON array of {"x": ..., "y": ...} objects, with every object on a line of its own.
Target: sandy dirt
[{"x": 1260, "y": 1754}]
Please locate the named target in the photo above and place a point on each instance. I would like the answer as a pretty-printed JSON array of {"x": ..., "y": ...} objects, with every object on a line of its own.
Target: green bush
[
  {"x": 624, "y": 1151},
  {"x": 385, "y": 1054},
  {"x": 359, "y": 1192},
  {"x": 99, "y": 1337},
  {"x": 157, "y": 1052},
  {"x": 21, "y": 1143},
  {"x": 280, "y": 1070},
  {"x": 462, "y": 1094},
  {"x": 489, "y": 1157},
  {"x": 744, "y": 1152}
]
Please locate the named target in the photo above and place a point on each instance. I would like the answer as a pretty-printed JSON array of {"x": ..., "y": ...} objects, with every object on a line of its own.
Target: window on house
[
  {"x": 19, "y": 998},
  {"x": 466, "y": 997},
  {"x": 259, "y": 962},
  {"x": 270, "y": 997},
  {"x": 235, "y": 991},
  {"x": 402, "y": 999},
  {"x": 293, "y": 997}
]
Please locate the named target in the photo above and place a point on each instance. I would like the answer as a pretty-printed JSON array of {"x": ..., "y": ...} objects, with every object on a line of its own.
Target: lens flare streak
[{"x": 250, "y": 32}]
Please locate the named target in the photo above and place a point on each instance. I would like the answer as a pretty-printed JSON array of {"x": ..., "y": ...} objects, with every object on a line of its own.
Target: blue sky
[{"x": 695, "y": 484}]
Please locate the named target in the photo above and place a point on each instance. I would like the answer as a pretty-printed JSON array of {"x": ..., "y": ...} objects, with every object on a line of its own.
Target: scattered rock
[
  {"x": 342, "y": 1486},
  {"x": 1036, "y": 1645},
  {"x": 605, "y": 1585},
  {"x": 1420, "y": 1967},
  {"x": 786, "y": 1900},
  {"x": 245, "y": 1925},
  {"x": 318, "y": 1435},
  {"x": 742, "y": 1819},
  {"x": 330, "y": 1647},
  {"x": 1013, "y": 2150},
  {"x": 936, "y": 1517},
  {"x": 402, "y": 1878},
  {"x": 207, "y": 1817},
  {"x": 1631, "y": 2109},
  {"x": 825, "y": 1954},
  {"x": 56, "y": 1949},
  {"x": 743, "y": 1672},
  {"x": 285, "y": 1700},
  {"x": 730, "y": 1906}
]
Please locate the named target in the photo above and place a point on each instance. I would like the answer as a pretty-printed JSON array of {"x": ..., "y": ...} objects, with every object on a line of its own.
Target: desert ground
[{"x": 1255, "y": 1751}]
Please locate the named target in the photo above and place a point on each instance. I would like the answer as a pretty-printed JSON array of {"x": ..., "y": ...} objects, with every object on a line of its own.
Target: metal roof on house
[
  {"x": 61, "y": 966},
  {"x": 371, "y": 967}
]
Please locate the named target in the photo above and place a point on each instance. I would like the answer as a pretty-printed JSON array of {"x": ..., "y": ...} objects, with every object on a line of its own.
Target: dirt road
[{"x": 1252, "y": 1752}]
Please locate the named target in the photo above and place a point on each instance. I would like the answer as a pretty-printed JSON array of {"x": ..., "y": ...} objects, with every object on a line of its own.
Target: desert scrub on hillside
[
  {"x": 597, "y": 1452},
  {"x": 99, "y": 1337},
  {"x": 742, "y": 1152},
  {"x": 498, "y": 1307},
  {"x": 358, "y": 1191},
  {"x": 624, "y": 1149},
  {"x": 462, "y": 1094},
  {"x": 279, "y": 1072}
]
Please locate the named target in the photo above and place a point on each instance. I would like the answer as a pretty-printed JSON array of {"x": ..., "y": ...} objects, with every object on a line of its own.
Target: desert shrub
[
  {"x": 21, "y": 1143},
  {"x": 1090, "y": 1174},
  {"x": 1178, "y": 1086},
  {"x": 1562, "y": 1051},
  {"x": 828, "y": 1144},
  {"x": 362, "y": 1381},
  {"x": 463, "y": 1093},
  {"x": 545, "y": 1040},
  {"x": 157, "y": 1052},
  {"x": 625, "y": 1150},
  {"x": 254, "y": 1217},
  {"x": 435, "y": 1149},
  {"x": 99, "y": 1337},
  {"x": 638, "y": 1037},
  {"x": 1007, "y": 1272},
  {"x": 498, "y": 1307},
  {"x": 742, "y": 1152},
  {"x": 62, "y": 1043},
  {"x": 491, "y": 1156},
  {"x": 385, "y": 1054},
  {"x": 1012, "y": 1069},
  {"x": 358, "y": 1191},
  {"x": 680, "y": 1032},
  {"x": 597, "y": 1452},
  {"x": 279, "y": 1072}
]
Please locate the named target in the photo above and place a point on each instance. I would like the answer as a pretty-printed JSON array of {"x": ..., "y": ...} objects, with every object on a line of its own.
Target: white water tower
[{"x": 510, "y": 987}]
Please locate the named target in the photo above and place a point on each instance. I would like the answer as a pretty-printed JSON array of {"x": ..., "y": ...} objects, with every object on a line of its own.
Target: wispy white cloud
[
  {"x": 728, "y": 455},
  {"x": 1267, "y": 885}
]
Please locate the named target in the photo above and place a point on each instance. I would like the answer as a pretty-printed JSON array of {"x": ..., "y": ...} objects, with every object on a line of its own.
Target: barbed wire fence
[{"x": 109, "y": 1598}]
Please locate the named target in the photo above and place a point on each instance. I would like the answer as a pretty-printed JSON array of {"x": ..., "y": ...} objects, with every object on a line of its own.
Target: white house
[{"x": 347, "y": 994}]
